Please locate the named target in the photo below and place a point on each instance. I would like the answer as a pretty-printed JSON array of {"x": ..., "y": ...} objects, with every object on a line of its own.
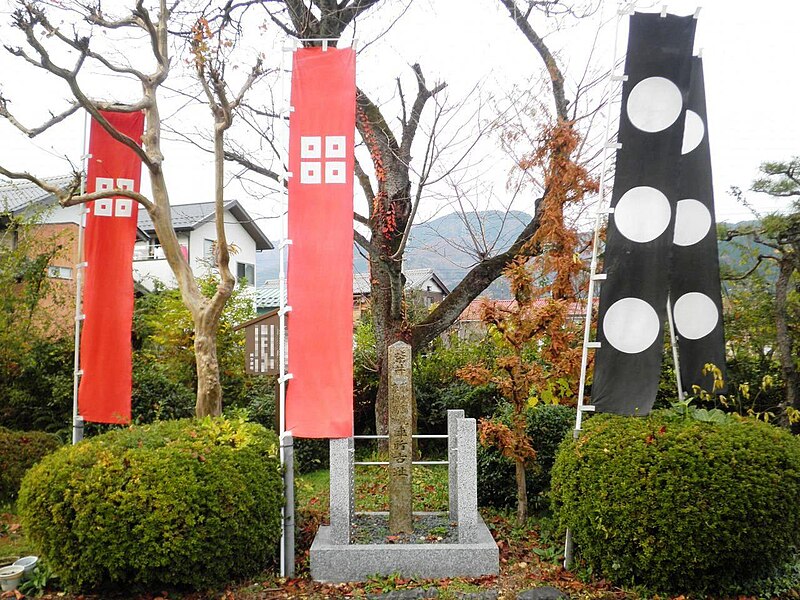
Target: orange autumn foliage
[{"x": 542, "y": 343}]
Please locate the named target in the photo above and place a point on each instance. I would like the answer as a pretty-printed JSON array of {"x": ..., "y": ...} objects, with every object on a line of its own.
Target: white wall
[
  {"x": 147, "y": 271},
  {"x": 236, "y": 235}
]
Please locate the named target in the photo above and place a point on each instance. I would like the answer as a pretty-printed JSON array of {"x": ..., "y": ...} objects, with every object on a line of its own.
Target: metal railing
[{"x": 413, "y": 462}]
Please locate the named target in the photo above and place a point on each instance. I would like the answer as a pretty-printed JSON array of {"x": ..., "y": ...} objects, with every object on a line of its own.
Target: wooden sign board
[{"x": 262, "y": 344}]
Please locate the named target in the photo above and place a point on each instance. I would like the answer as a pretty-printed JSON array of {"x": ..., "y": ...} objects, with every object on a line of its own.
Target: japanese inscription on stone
[{"x": 400, "y": 443}]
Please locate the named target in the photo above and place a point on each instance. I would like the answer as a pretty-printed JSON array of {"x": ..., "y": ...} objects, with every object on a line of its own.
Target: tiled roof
[
  {"x": 16, "y": 195},
  {"x": 184, "y": 216},
  {"x": 474, "y": 310},
  {"x": 415, "y": 279},
  {"x": 268, "y": 294},
  {"x": 191, "y": 216}
]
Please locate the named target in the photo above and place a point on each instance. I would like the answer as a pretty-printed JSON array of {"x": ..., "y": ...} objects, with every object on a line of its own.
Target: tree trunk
[
  {"x": 388, "y": 319},
  {"x": 784, "y": 338},
  {"x": 209, "y": 390},
  {"x": 522, "y": 492}
]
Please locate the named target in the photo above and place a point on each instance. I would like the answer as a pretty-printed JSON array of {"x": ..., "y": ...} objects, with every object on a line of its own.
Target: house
[
  {"x": 56, "y": 228},
  {"x": 470, "y": 326},
  {"x": 196, "y": 230},
  {"x": 423, "y": 283},
  {"x": 194, "y": 225}
]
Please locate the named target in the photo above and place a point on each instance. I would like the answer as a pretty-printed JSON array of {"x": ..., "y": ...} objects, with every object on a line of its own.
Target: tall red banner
[
  {"x": 319, "y": 397},
  {"x": 105, "y": 389}
]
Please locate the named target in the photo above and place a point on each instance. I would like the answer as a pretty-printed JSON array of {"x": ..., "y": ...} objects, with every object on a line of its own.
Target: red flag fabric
[
  {"x": 319, "y": 397},
  {"x": 105, "y": 388}
]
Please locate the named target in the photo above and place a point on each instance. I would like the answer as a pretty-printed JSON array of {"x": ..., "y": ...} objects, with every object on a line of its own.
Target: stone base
[{"x": 337, "y": 563}]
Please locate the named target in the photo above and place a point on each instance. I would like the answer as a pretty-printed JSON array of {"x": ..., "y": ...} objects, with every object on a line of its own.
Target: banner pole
[
  {"x": 77, "y": 420},
  {"x": 286, "y": 440},
  {"x": 673, "y": 342},
  {"x": 593, "y": 275}
]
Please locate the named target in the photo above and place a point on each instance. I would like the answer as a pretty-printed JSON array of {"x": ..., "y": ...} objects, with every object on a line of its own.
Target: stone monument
[
  {"x": 335, "y": 557},
  {"x": 400, "y": 441}
]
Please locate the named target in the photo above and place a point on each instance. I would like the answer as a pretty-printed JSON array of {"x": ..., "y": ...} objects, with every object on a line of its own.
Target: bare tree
[
  {"x": 31, "y": 19},
  {"x": 395, "y": 185}
]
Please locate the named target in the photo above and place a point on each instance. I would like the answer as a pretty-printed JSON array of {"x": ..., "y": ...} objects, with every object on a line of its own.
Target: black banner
[
  {"x": 637, "y": 258},
  {"x": 695, "y": 293}
]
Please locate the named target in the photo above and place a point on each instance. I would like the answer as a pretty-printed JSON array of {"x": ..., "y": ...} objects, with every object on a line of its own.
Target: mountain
[{"x": 445, "y": 244}]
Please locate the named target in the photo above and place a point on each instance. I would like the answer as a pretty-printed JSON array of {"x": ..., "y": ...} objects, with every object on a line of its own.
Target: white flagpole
[
  {"x": 623, "y": 8},
  {"x": 286, "y": 441},
  {"x": 77, "y": 420}
]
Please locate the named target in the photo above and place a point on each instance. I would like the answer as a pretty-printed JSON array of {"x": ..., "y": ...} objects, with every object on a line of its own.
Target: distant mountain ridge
[{"x": 447, "y": 244}]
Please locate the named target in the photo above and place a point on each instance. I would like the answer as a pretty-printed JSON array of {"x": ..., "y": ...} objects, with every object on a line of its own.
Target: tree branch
[
  {"x": 556, "y": 77},
  {"x": 32, "y": 133},
  {"x": 410, "y": 127}
]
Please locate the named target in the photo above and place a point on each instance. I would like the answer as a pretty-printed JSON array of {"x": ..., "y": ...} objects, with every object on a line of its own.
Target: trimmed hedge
[
  {"x": 680, "y": 505},
  {"x": 547, "y": 426},
  {"x": 19, "y": 451},
  {"x": 188, "y": 503}
]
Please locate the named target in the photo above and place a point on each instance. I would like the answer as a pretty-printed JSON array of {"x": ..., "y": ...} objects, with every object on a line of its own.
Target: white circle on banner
[
  {"x": 695, "y": 315},
  {"x": 654, "y": 104},
  {"x": 692, "y": 222},
  {"x": 642, "y": 214},
  {"x": 693, "y": 132},
  {"x": 631, "y": 325}
]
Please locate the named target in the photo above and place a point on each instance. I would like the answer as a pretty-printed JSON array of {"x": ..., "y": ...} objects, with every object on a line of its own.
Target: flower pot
[
  {"x": 28, "y": 563},
  {"x": 10, "y": 577}
]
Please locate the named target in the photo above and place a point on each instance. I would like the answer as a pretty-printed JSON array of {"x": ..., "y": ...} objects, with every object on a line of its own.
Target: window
[
  {"x": 246, "y": 271},
  {"x": 59, "y": 272},
  {"x": 209, "y": 247}
]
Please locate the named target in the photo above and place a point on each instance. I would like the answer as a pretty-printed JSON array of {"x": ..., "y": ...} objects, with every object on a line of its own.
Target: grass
[{"x": 429, "y": 485}]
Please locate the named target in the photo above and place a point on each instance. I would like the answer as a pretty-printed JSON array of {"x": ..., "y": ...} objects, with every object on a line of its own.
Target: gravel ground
[{"x": 429, "y": 528}]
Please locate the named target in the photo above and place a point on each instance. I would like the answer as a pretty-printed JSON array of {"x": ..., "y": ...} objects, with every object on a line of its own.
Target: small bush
[
  {"x": 311, "y": 455},
  {"x": 157, "y": 395},
  {"x": 679, "y": 504},
  {"x": 547, "y": 426},
  {"x": 188, "y": 503},
  {"x": 19, "y": 451}
]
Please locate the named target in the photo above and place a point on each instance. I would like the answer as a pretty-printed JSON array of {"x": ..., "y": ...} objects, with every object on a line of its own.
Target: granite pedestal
[{"x": 334, "y": 559}]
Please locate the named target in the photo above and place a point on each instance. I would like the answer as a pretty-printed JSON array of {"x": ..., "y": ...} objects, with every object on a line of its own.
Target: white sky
[{"x": 749, "y": 53}]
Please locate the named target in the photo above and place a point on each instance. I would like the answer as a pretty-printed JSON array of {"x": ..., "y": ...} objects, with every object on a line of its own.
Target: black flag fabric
[
  {"x": 633, "y": 298},
  {"x": 695, "y": 295}
]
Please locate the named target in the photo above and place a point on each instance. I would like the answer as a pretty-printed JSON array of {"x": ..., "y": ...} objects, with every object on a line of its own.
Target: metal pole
[
  {"x": 287, "y": 445},
  {"x": 593, "y": 276},
  {"x": 673, "y": 343},
  {"x": 77, "y": 420},
  {"x": 286, "y": 441}
]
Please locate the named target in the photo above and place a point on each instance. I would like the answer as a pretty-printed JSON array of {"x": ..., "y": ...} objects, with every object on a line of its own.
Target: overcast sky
[{"x": 749, "y": 52}]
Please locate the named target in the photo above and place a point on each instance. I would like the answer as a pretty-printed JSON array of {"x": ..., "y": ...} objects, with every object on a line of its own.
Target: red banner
[
  {"x": 319, "y": 397},
  {"x": 105, "y": 389}
]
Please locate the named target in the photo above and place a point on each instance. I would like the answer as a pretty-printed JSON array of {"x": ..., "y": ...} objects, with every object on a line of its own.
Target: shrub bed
[
  {"x": 19, "y": 451},
  {"x": 547, "y": 426},
  {"x": 677, "y": 504},
  {"x": 188, "y": 503}
]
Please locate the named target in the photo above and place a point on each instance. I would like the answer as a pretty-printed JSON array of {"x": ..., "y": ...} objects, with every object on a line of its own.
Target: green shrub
[
  {"x": 157, "y": 395},
  {"x": 19, "y": 451},
  {"x": 36, "y": 394},
  {"x": 547, "y": 426},
  {"x": 679, "y": 504},
  {"x": 189, "y": 503},
  {"x": 311, "y": 455}
]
